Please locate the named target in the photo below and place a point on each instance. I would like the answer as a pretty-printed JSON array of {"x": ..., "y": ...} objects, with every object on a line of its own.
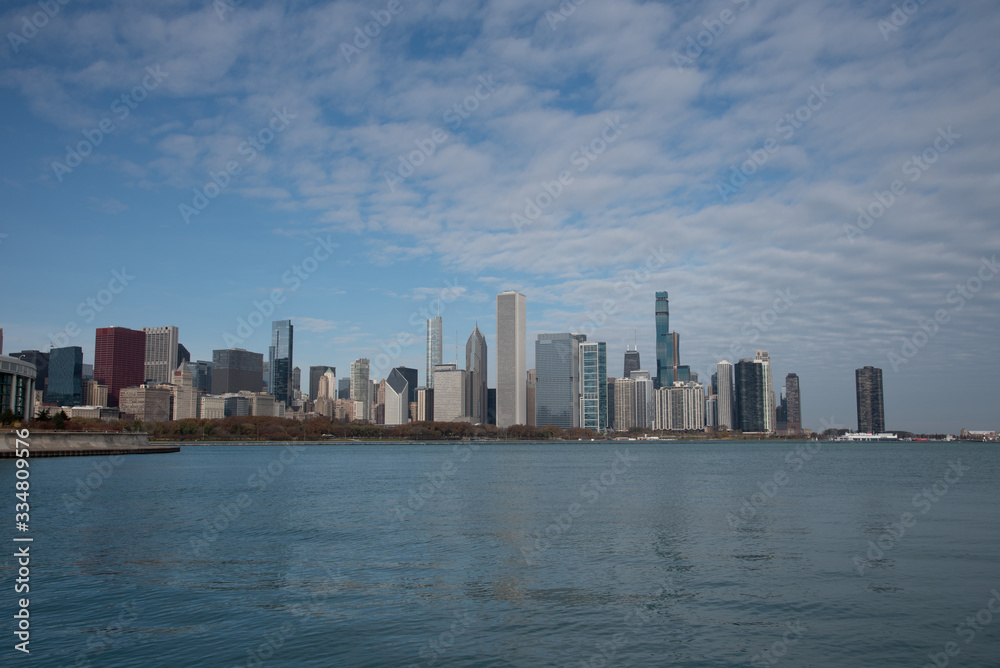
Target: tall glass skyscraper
[
  {"x": 594, "y": 385},
  {"x": 66, "y": 376},
  {"x": 360, "y": 391},
  {"x": 793, "y": 410},
  {"x": 749, "y": 408},
  {"x": 280, "y": 361},
  {"x": 871, "y": 411},
  {"x": 665, "y": 349},
  {"x": 512, "y": 372},
  {"x": 557, "y": 379},
  {"x": 764, "y": 359},
  {"x": 475, "y": 367},
  {"x": 433, "y": 347},
  {"x": 724, "y": 392}
]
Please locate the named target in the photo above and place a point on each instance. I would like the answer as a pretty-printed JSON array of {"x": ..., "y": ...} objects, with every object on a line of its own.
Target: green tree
[
  {"x": 60, "y": 419},
  {"x": 7, "y": 417}
]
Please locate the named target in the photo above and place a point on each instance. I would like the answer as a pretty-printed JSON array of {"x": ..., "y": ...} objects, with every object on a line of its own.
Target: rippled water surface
[{"x": 534, "y": 554}]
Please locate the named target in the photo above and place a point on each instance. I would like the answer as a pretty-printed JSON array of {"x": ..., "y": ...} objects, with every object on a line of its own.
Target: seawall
[{"x": 82, "y": 444}]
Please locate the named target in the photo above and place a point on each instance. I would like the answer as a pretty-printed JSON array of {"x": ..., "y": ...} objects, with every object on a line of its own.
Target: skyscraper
[
  {"x": 631, "y": 362},
  {"x": 764, "y": 359},
  {"x": 665, "y": 352},
  {"x": 185, "y": 395},
  {"x": 624, "y": 404},
  {"x": 235, "y": 369},
  {"x": 532, "y": 385},
  {"x": 557, "y": 380},
  {"x": 397, "y": 394},
  {"x": 161, "y": 354},
  {"x": 724, "y": 395},
  {"x": 511, "y": 359},
  {"x": 611, "y": 403},
  {"x": 749, "y": 404},
  {"x": 41, "y": 362},
  {"x": 434, "y": 341},
  {"x": 643, "y": 388},
  {"x": 119, "y": 360},
  {"x": 411, "y": 379},
  {"x": 360, "y": 391},
  {"x": 593, "y": 391},
  {"x": 315, "y": 373},
  {"x": 280, "y": 361},
  {"x": 296, "y": 379},
  {"x": 475, "y": 367},
  {"x": 792, "y": 403},
  {"x": 66, "y": 376},
  {"x": 871, "y": 411},
  {"x": 450, "y": 393}
]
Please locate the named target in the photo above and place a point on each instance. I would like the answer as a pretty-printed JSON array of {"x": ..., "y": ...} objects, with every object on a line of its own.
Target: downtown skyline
[{"x": 830, "y": 108}]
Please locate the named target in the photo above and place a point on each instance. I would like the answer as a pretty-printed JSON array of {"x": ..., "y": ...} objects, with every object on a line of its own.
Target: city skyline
[{"x": 825, "y": 195}]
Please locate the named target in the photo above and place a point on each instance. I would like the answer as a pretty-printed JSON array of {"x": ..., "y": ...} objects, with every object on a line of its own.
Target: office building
[
  {"x": 434, "y": 343},
  {"x": 95, "y": 394},
  {"x": 749, "y": 392},
  {"x": 529, "y": 398},
  {"x": 40, "y": 361},
  {"x": 765, "y": 360},
  {"x": 296, "y": 379},
  {"x": 631, "y": 362},
  {"x": 593, "y": 392},
  {"x": 624, "y": 404},
  {"x": 512, "y": 359},
  {"x": 557, "y": 380},
  {"x": 793, "y": 410},
  {"x": 450, "y": 393},
  {"x": 235, "y": 369},
  {"x": 182, "y": 354},
  {"x": 425, "y": 404},
  {"x": 723, "y": 382},
  {"x": 343, "y": 388},
  {"x": 119, "y": 360},
  {"x": 475, "y": 368},
  {"x": 360, "y": 388},
  {"x": 643, "y": 386},
  {"x": 280, "y": 364},
  {"x": 411, "y": 380},
  {"x": 202, "y": 371},
  {"x": 17, "y": 386},
  {"x": 397, "y": 395},
  {"x": 611, "y": 403},
  {"x": 871, "y": 411},
  {"x": 161, "y": 354},
  {"x": 65, "y": 383},
  {"x": 145, "y": 403},
  {"x": 712, "y": 411},
  {"x": 491, "y": 406},
  {"x": 185, "y": 395},
  {"x": 211, "y": 407},
  {"x": 315, "y": 373}
]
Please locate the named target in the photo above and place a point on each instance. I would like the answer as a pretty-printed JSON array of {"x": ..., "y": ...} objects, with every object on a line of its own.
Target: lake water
[{"x": 526, "y": 554}]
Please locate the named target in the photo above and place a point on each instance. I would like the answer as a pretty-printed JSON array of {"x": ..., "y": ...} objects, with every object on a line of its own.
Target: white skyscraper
[
  {"x": 433, "y": 347},
  {"x": 450, "y": 393},
  {"x": 724, "y": 394},
  {"x": 765, "y": 359},
  {"x": 512, "y": 368},
  {"x": 161, "y": 353}
]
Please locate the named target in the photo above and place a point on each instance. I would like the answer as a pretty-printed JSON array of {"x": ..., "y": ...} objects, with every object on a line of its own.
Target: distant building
[
  {"x": 793, "y": 404},
  {"x": 530, "y": 392},
  {"x": 611, "y": 403},
  {"x": 625, "y": 404},
  {"x": 360, "y": 391},
  {"x": 631, "y": 362},
  {"x": 202, "y": 372},
  {"x": 557, "y": 379},
  {"x": 65, "y": 383},
  {"x": 593, "y": 386},
  {"x": 17, "y": 386},
  {"x": 450, "y": 393},
  {"x": 397, "y": 395},
  {"x": 764, "y": 359},
  {"x": 280, "y": 361},
  {"x": 161, "y": 353},
  {"x": 40, "y": 361},
  {"x": 146, "y": 404},
  {"x": 643, "y": 387},
  {"x": 680, "y": 407},
  {"x": 119, "y": 360},
  {"x": 724, "y": 392},
  {"x": 182, "y": 354},
  {"x": 712, "y": 411},
  {"x": 871, "y": 411},
  {"x": 411, "y": 379},
  {"x": 315, "y": 373},
  {"x": 185, "y": 394},
  {"x": 343, "y": 388},
  {"x": 434, "y": 343},
  {"x": 95, "y": 394},
  {"x": 343, "y": 410},
  {"x": 236, "y": 369},
  {"x": 475, "y": 368},
  {"x": 491, "y": 406},
  {"x": 211, "y": 407},
  {"x": 296, "y": 379},
  {"x": 425, "y": 404},
  {"x": 749, "y": 391},
  {"x": 511, "y": 359}
]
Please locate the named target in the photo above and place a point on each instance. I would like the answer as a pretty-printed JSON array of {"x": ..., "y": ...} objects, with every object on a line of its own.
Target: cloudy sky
[{"x": 353, "y": 166}]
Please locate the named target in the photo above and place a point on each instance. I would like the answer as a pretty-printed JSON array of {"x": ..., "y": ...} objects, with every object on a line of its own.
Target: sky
[{"x": 815, "y": 179}]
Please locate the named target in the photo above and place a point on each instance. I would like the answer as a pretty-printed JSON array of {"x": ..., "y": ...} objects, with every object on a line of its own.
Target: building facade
[
  {"x": 511, "y": 359},
  {"x": 594, "y": 385},
  {"x": 871, "y": 410},
  {"x": 793, "y": 406},
  {"x": 749, "y": 392},
  {"x": 280, "y": 361},
  {"x": 475, "y": 368},
  {"x": 434, "y": 343},
  {"x": 161, "y": 354},
  {"x": 146, "y": 404},
  {"x": 450, "y": 393},
  {"x": 235, "y": 369},
  {"x": 360, "y": 391},
  {"x": 724, "y": 395},
  {"x": 557, "y": 379},
  {"x": 397, "y": 398},
  {"x": 119, "y": 360},
  {"x": 17, "y": 386},
  {"x": 65, "y": 382}
]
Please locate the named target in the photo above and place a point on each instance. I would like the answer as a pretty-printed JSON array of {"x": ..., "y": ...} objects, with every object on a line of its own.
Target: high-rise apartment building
[
  {"x": 511, "y": 359},
  {"x": 624, "y": 404},
  {"x": 725, "y": 411},
  {"x": 360, "y": 388},
  {"x": 764, "y": 359},
  {"x": 235, "y": 369},
  {"x": 793, "y": 407},
  {"x": 434, "y": 343},
  {"x": 280, "y": 364},
  {"x": 475, "y": 368},
  {"x": 749, "y": 390},
  {"x": 161, "y": 354},
  {"x": 871, "y": 411},
  {"x": 119, "y": 360},
  {"x": 65, "y": 385},
  {"x": 593, "y": 392},
  {"x": 643, "y": 387},
  {"x": 557, "y": 380}
]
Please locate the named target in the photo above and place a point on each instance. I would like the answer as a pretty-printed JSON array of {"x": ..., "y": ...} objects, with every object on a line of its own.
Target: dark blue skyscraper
[
  {"x": 280, "y": 361},
  {"x": 557, "y": 380},
  {"x": 66, "y": 376}
]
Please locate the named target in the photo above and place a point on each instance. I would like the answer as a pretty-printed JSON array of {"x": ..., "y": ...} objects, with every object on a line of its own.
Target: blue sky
[{"x": 587, "y": 155}]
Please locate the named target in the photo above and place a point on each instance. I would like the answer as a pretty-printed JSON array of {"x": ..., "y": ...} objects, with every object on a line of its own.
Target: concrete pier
[{"x": 82, "y": 444}]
